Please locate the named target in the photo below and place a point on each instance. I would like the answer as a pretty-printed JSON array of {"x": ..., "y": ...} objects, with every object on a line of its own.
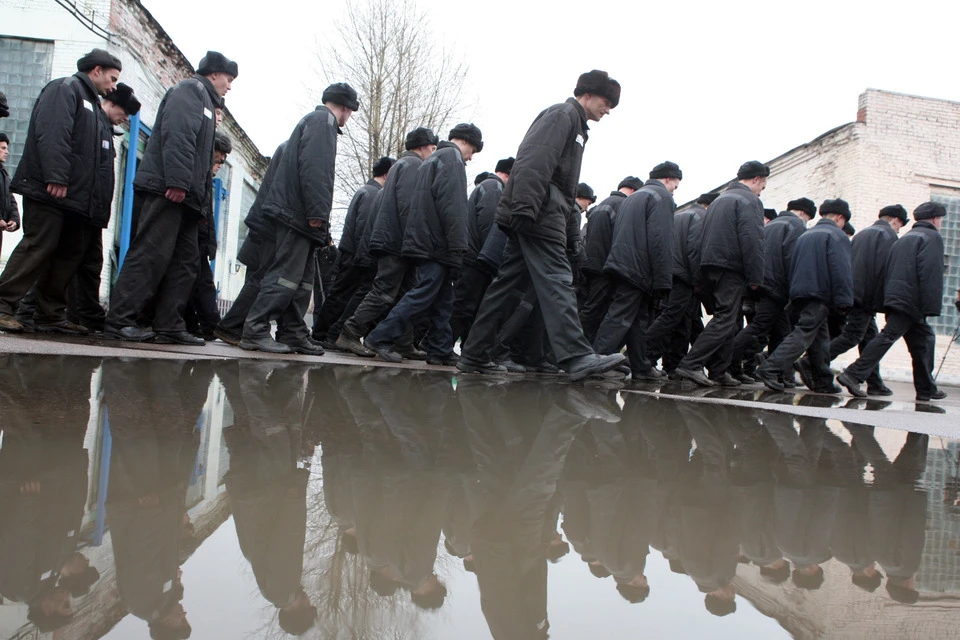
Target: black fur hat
[
  {"x": 483, "y": 175},
  {"x": 836, "y": 205},
  {"x": 505, "y": 165},
  {"x": 707, "y": 199},
  {"x": 895, "y": 211},
  {"x": 222, "y": 143},
  {"x": 382, "y": 166},
  {"x": 124, "y": 98},
  {"x": 99, "y": 58},
  {"x": 584, "y": 191},
  {"x": 420, "y": 137},
  {"x": 806, "y": 205},
  {"x": 630, "y": 182},
  {"x": 216, "y": 62},
  {"x": 752, "y": 169},
  {"x": 769, "y": 214},
  {"x": 929, "y": 210},
  {"x": 4, "y": 107},
  {"x": 343, "y": 94},
  {"x": 598, "y": 83},
  {"x": 469, "y": 133},
  {"x": 666, "y": 169}
]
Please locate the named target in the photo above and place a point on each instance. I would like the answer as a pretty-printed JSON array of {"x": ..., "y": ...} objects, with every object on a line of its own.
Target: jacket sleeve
[
  {"x": 406, "y": 189},
  {"x": 13, "y": 211},
  {"x": 750, "y": 235},
  {"x": 450, "y": 194},
  {"x": 930, "y": 278},
  {"x": 537, "y": 159},
  {"x": 183, "y": 116},
  {"x": 53, "y": 126},
  {"x": 841, "y": 272},
  {"x": 317, "y": 162},
  {"x": 487, "y": 210},
  {"x": 694, "y": 239},
  {"x": 660, "y": 244},
  {"x": 574, "y": 242}
]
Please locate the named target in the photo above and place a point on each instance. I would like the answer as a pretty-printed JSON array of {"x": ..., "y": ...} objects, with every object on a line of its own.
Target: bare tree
[{"x": 405, "y": 78}]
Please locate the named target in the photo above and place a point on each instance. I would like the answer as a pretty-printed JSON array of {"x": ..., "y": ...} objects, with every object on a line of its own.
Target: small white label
[
  {"x": 579, "y": 139},
  {"x": 106, "y": 144},
  {"x": 45, "y": 575},
  {"x": 207, "y": 113},
  {"x": 87, "y": 105},
  {"x": 167, "y": 586},
  {"x": 71, "y": 533}
]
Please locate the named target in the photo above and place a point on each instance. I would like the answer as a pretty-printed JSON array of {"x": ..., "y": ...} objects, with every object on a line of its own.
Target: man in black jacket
[
  {"x": 731, "y": 259},
  {"x": 770, "y": 323},
  {"x": 348, "y": 276},
  {"x": 534, "y": 208},
  {"x": 913, "y": 291},
  {"x": 641, "y": 265},
  {"x": 59, "y": 178},
  {"x": 820, "y": 281},
  {"x": 871, "y": 248},
  {"x": 393, "y": 273},
  {"x": 9, "y": 212},
  {"x": 174, "y": 180},
  {"x": 673, "y": 330},
  {"x": 298, "y": 210},
  {"x": 436, "y": 241},
  {"x": 474, "y": 279},
  {"x": 250, "y": 254},
  {"x": 598, "y": 233}
]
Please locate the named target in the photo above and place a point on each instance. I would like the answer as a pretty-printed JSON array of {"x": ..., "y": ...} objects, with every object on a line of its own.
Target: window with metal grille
[
  {"x": 25, "y": 68},
  {"x": 947, "y": 321}
]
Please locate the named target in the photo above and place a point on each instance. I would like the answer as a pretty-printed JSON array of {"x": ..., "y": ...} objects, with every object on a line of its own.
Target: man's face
[
  {"x": 4, "y": 151},
  {"x": 466, "y": 149},
  {"x": 671, "y": 184},
  {"x": 757, "y": 185},
  {"x": 104, "y": 80},
  {"x": 596, "y": 107},
  {"x": 222, "y": 82},
  {"x": 584, "y": 203},
  {"x": 425, "y": 151},
  {"x": 343, "y": 115},
  {"x": 218, "y": 112},
  {"x": 116, "y": 114},
  {"x": 218, "y": 159}
]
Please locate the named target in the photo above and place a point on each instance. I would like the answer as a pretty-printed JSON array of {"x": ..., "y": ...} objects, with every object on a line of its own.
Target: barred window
[
  {"x": 948, "y": 319},
  {"x": 25, "y": 68}
]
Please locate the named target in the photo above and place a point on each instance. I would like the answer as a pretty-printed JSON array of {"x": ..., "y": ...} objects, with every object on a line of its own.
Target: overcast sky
[{"x": 705, "y": 84}]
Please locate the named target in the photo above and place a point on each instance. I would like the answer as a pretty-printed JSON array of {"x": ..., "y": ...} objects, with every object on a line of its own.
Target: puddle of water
[{"x": 253, "y": 499}]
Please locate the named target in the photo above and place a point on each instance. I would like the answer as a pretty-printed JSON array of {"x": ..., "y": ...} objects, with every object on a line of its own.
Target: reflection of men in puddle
[
  {"x": 519, "y": 436},
  {"x": 43, "y": 486},
  {"x": 709, "y": 520},
  {"x": 151, "y": 464},
  {"x": 267, "y": 489}
]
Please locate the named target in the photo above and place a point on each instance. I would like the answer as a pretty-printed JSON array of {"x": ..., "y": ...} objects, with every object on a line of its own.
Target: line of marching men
[{"x": 422, "y": 266}]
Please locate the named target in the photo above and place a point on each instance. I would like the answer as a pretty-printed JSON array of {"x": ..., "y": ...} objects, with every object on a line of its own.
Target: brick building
[
  {"x": 900, "y": 149},
  {"x": 41, "y": 40}
]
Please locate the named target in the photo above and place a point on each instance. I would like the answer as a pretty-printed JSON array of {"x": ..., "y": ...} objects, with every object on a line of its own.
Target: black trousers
[
  {"x": 48, "y": 255},
  {"x": 626, "y": 323},
  {"x": 770, "y": 325},
  {"x": 162, "y": 264},
  {"x": 810, "y": 334},
  {"x": 921, "y": 342},
  {"x": 337, "y": 297},
  {"x": 251, "y": 255},
  {"x": 597, "y": 294},
  {"x": 859, "y": 329},
  {"x": 673, "y": 326},
  {"x": 531, "y": 261},
  {"x": 394, "y": 276},
  {"x": 367, "y": 277},
  {"x": 468, "y": 294},
  {"x": 286, "y": 288},
  {"x": 202, "y": 315},
  {"x": 83, "y": 293},
  {"x": 714, "y": 347}
]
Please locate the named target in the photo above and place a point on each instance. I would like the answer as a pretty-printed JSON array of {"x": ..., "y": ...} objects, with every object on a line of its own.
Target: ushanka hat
[
  {"x": 752, "y": 169},
  {"x": 99, "y": 58},
  {"x": 216, "y": 62},
  {"x": 598, "y": 83},
  {"x": 382, "y": 166},
  {"x": 343, "y": 94},
  {"x": 124, "y": 98},
  {"x": 222, "y": 143},
  {"x": 469, "y": 133},
  {"x": 837, "y": 206},
  {"x": 929, "y": 210},
  {"x": 420, "y": 137},
  {"x": 630, "y": 182},
  {"x": 505, "y": 165},
  {"x": 586, "y": 192},
  {"x": 666, "y": 169},
  {"x": 806, "y": 205},
  {"x": 895, "y": 211}
]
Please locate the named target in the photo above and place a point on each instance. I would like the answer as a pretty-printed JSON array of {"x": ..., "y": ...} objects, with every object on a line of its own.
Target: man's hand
[
  {"x": 58, "y": 191},
  {"x": 843, "y": 309},
  {"x": 174, "y": 194},
  {"x": 5, "y": 226},
  {"x": 754, "y": 287},
  {"x": 316, "y": 223}
]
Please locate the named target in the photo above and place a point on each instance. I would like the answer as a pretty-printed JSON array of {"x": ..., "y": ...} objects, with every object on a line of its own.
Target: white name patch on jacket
[
  {"x": 580, "y": 140},
  {"x": 207, "y": 113},
  {"x": 87, "y": 105}
]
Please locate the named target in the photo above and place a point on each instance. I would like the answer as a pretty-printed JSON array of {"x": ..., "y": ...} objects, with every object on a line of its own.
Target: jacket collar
[
  {"x": 494, "y": 177},
  {"x": 619, "y": 194},
  {"x": 88, "y": 86},
  {"x": 373, "y": 183},
  {"x": 787, "y": 214},
  {"x": 582, "y": 114},
  {"x": 446, "y": 144},
  {"x": 653, "y": 183},
  {"x": 214, "y": 96},
  {"x": 739, "y": 186},
  {"x": 827, "y": 221},
  {"x": 926, "y": 224},
  {"x": 409, "y": 154}
]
